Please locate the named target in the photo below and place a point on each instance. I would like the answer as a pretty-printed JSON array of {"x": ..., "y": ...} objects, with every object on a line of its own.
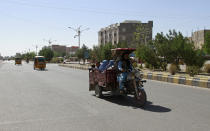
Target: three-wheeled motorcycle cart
[{"x": 106, "y": 80}]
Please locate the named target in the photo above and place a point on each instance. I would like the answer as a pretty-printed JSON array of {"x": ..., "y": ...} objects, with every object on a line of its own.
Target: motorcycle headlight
[{"x": 138, "y": 75}]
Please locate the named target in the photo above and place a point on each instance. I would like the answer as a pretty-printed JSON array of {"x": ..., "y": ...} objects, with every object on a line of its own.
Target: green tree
[
  {"x": 29, "y": 55},
  {"x": 78, "y": 54},
  {"x": 148, "y": 54},
  {"x": 102, "y": 52},
  {"x": 162, "y": 47},
  {"x": 171, "y": 47},
  {"x": 82, "y": 52},
  {"x": 32, "y": 55},
  {"x": 121, "y": 45},
  {"x": 95, "y": 54},
  {"x": 47, "y": 53},
  {"x": 176, "y": 42},
  {"x": 57, "y": 54},
  {"x": 106, "y": 51}
]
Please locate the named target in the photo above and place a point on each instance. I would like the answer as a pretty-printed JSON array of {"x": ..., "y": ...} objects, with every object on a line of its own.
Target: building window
[
  {"x": 123, "y": 29},
  {"x": 123, "y": 37}
]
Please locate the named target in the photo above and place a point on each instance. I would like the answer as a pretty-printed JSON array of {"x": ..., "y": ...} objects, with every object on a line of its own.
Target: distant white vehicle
[{"x": 66, "y": 61}]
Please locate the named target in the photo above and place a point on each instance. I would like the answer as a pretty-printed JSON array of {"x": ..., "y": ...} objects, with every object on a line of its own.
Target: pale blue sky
[{"x": 25, "y": 23}]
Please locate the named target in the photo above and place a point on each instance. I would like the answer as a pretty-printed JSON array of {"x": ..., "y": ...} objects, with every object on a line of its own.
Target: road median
[
  {"x": 203, "y": 82},
  {"x": 192, "y": 81},
  {"x": 75, "y": 66}
]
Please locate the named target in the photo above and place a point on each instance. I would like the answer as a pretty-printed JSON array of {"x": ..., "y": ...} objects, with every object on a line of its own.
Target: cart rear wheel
[{"x": 98, "y": 91}]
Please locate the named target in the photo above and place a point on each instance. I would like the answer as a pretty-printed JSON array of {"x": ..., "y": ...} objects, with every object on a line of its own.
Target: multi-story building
[
  {"x": 124, "y": 32},
  {"x": 62, "y": 49},
  {"x": 72, "y": 50},
  {"x": 59, "y": 48},
  {"x": 198, "y": 38}
]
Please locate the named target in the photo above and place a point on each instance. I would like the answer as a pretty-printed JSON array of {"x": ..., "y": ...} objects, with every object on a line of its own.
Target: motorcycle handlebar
[{"x": 143, "y": 81}]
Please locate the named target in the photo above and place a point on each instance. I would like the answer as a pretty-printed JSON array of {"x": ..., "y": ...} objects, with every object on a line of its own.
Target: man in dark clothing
[{"x": 124, "y": 66}]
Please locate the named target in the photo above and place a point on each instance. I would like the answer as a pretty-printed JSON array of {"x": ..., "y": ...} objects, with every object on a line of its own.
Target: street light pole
[
  {"x": 49, "y": 41},
  {"x": 78, "y": 31}
]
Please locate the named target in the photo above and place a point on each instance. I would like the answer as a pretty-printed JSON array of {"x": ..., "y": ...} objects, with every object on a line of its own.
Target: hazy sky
[{"x": 25, "y": 23}]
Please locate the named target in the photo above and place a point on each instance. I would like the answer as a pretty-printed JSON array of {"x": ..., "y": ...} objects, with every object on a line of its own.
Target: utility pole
[
  {"x": 78, "y": 31},
  {"x": 36, "y": 49},
  {"x": 36, "y": 46}
]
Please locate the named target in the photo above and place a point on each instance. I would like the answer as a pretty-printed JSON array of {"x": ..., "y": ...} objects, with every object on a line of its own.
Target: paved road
[{"x": 58, "y": 100}]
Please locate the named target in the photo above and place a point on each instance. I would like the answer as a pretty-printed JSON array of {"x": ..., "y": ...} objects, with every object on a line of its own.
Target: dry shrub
[{"x": 173, "y": 69}]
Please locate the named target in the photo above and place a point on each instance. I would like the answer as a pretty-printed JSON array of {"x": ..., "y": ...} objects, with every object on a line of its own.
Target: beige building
[
  {"x": 198, "y": 38},
  {"x": 124, "y": 32},
  {"x": 64, "y": 50},
  {"x": 58, "y": 48},
  {"x": 72, "y": 50}
]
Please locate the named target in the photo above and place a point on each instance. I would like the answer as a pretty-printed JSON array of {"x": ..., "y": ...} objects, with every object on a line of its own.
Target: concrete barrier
[
  {"x": 182, "y": 80},
  {"x": 159, "y": 77},
  {"x": 81, "y": 67},
  {"x": 196, "y": 82},
  {"x": 170, "y": 79},
  {"x": 204, "y": 83},
  {"x": 208, "y": 83},
  {"x": 149, "y": 76}
]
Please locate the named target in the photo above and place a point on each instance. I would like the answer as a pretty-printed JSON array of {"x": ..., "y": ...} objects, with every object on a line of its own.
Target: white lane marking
[{"x": 34, "y": 120}]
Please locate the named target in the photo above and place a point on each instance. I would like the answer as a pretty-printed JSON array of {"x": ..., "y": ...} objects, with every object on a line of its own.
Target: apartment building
[
  {"x": 124, "y": 32},
  {"x": 198, "y": 37}
]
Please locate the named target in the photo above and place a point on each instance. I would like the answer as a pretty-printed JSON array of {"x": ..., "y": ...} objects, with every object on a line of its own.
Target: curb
[{"x": 204, "y": 83}]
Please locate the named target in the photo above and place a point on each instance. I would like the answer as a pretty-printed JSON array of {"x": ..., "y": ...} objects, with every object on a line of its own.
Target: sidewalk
[{"x": 179, "y": 78}]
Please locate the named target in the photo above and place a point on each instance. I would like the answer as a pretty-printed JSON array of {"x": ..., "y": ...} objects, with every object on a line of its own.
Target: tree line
[{"x": 170, "y": 48}]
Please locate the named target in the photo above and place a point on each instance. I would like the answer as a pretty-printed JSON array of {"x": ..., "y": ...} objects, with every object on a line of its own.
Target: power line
[{"x": 99, "y": 11}]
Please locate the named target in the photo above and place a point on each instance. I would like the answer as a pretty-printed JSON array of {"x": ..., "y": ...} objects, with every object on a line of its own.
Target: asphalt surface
[{"x": 58, "y": 99}]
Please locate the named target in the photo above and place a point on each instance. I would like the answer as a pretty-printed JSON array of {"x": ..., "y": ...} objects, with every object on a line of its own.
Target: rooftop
[
  {"x": 118, "y": 24},
  {"x": 131, "y": 21}
]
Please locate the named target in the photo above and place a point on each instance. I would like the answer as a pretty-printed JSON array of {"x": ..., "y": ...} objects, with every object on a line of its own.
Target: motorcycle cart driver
[{"x": 124, "y": 66}]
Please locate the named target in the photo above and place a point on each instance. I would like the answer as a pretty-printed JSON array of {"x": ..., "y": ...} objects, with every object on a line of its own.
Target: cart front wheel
[
  {"x": 142, "y": 98},
  {"x": 98, "y": 91}
]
